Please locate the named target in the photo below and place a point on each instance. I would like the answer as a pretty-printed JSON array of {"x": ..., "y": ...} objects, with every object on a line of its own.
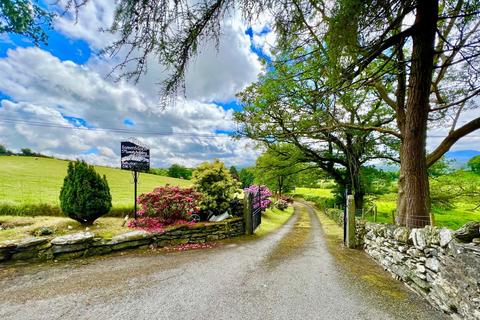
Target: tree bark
[{"x": 413, "y": 147}]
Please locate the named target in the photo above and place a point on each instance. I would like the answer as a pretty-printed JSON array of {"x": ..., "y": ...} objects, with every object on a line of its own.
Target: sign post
[{"x": 134, "y": 157}]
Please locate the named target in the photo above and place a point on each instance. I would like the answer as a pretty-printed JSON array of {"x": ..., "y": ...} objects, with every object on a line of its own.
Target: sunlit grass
[
  {"x": 30, "y": 185},
  {"x": 386, "y": 204},
  {"x": 18, "y": 227},
  {"x": 327, "y": 193},
  {"x": 272, "y": 219}
]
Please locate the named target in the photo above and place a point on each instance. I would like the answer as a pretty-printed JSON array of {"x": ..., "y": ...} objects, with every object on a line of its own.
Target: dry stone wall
[
  {"x": 85, "y": 244},
  {"x": 441, "y": 265}
]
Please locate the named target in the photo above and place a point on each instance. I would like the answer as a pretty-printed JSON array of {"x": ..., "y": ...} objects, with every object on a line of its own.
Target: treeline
[{"x": 23, "y": 152}]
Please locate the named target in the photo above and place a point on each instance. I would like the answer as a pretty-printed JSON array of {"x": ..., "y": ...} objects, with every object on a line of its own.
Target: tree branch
[{"x": 450, "y": 140}]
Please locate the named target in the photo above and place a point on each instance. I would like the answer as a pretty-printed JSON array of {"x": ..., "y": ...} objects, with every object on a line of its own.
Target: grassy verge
[
  {"x": 450, "y": 218},
  {"x": 272, "y": 219},
  {"x": 18, "y": 227},
  {"x": 31, "y": 186}
]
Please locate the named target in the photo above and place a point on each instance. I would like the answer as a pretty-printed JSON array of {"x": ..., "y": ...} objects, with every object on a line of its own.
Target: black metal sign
[{"x": 134, "y": 157}]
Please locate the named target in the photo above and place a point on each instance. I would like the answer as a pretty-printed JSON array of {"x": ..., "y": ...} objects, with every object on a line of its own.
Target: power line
[
  {"x": 106, "y": 129},
  {"x": 127, "y": 131}
]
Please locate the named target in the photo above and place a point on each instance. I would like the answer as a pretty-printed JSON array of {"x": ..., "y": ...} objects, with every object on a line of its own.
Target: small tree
[
  {"x": 3, "y": 150},
  {"x": 474, "y": 164},
  {"x": 217, "y": 185},
  {"x": 27, "y": 152},
  {"x": 85, "y": 195},
  {"x": 179, "y": 171},
  {"x": 247, "y": 177},
  {"x": 234, "y": 173}
]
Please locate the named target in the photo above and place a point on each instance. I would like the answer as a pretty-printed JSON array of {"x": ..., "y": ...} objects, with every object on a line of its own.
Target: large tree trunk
[{"x": 413, "y": 153}]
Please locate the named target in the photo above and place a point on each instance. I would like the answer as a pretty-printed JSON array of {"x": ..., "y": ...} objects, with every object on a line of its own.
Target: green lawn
[
  {"x": 452, "y": 218},
  {"x": 327, "y": 193},
  {"x": 272, "y": 219},
  {"x": 17, "y": 227},
  {"x": 29, "y": 182}
]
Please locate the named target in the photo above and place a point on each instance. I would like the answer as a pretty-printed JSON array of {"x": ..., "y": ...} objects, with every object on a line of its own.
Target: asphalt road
[{"x": 296, "y": 273}]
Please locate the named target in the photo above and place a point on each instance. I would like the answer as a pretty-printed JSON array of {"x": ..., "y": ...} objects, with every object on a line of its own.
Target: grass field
[
  {"x": 272, "y": 219},
  {"x": 452, "y": 218},
  {"x": 31, "y": 185}
]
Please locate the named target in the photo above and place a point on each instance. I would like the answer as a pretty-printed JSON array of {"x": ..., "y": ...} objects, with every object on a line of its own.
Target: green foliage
[
  {"x": 440, "y": 168},
  {"x": 278, "y": 168},
  {"x": 474, "y": 164},
  {"x": 159, "y": 171},
  {"x": 217, "y": 185},
  {"x": 377, "y": 181},
  {"x": 234, "y": 173},
  {"x": 447, "y": 190},
  {"x": 27, "y": 152},
  {"x": 4, "y": 151},
  {"x": 26, "y": 18},
  {"x": 180, "y": 172},
  {"x": 336, "y": 215},
  {"x": 85, "y": 195},
  {"x": 247, "y": 177}
]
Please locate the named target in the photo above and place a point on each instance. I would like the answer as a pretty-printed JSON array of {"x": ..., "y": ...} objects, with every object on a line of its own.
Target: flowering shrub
[
  {"x": 265, "y": 194},
  {"x": 168, "y": 205},
  {"x": 281, "y": 204}
]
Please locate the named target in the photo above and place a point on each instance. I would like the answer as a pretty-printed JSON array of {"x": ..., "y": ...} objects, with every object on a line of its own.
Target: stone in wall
[
  {"x": 436, "y": 263},
  {"x": 86, "y": 244}
]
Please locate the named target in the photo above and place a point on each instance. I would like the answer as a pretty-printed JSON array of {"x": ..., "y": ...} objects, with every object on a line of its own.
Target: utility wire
[
  {"x": 127, "y": 131},
  {"x": 116, "y": 130}
]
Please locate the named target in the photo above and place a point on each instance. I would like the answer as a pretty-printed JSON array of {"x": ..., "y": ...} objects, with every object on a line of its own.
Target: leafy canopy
[{"x": 474, "y": 164}]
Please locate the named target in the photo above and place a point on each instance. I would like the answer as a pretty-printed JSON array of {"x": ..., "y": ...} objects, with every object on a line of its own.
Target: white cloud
[
  {"x": 212, "y": 75},
  {"x": 46, "y": 89}
]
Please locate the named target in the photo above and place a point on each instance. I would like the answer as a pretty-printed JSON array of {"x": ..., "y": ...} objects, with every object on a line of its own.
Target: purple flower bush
[{"x": 265, "y": 195}]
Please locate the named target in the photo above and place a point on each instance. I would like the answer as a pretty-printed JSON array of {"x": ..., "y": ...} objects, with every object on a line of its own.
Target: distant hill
[{"x": 461, "y": 157}]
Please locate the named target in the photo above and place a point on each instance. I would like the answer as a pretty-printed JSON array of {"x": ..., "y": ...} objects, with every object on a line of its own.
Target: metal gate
[{"x": 256, "y": 209}]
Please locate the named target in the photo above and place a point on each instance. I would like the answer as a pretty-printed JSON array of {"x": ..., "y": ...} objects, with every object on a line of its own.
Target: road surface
[{"x": 295, "y": 273}]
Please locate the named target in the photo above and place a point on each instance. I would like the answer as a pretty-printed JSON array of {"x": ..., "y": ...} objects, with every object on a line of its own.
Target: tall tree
[
  {"x": 420, "y": 56},
  {"x": 247, "y": 177},
  {"x": 427, "y": 64},
  {"x": 285, "y": 106}
]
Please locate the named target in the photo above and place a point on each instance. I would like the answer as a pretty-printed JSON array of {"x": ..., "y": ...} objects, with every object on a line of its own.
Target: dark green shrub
[{"x": 85, "y": 195}]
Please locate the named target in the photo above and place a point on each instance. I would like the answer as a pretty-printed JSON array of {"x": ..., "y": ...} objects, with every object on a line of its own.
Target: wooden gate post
[
  {"x": 350, "y": 237},
  {"x": 247, "y": 212}
]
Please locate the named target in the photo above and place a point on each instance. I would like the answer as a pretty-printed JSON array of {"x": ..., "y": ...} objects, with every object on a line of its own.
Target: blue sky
[{"x": 60, "y": 98}]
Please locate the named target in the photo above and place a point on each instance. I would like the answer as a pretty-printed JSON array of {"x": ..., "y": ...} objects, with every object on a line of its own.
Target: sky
[{"x": 57, "y": 99}]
